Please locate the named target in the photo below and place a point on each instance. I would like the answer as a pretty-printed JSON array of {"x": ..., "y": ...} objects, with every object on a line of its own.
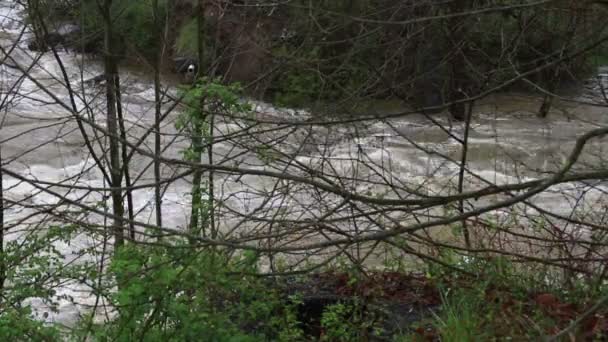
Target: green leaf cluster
[
  {"x": 178, "y": 293},
  {"x": 33, "y": 267}
]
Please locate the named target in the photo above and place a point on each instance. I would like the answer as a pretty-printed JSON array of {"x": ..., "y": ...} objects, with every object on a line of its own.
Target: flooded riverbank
[{"x": 287, "y": 180}]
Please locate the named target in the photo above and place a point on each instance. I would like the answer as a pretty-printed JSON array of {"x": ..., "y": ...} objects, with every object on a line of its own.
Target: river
[{"x": 40, "y": 140}]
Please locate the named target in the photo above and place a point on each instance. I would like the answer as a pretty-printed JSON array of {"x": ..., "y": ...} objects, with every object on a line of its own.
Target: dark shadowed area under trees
[{"x": 297, "y": 170}]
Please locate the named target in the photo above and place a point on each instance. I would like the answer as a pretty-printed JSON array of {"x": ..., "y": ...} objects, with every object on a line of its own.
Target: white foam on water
[{"x": 377, "y": 144}]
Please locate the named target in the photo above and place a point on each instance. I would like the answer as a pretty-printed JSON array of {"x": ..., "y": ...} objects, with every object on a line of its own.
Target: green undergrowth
[
  {"x": 505, "y": 302},
  {"x": 181, "y": 294},
  {"x": 176, "y": 292}
]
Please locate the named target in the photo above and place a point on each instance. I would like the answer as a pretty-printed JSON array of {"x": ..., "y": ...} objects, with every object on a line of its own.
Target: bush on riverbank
[
  {"x": 170, "y": 294},
  {"x": 174, "y": 292},
  {"x": 177, "y": 294}
]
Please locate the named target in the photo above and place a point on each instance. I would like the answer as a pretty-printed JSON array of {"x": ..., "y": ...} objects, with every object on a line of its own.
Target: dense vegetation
[
  {"x": 338, "y": 51},
  {"x": 356, "y": 259}
]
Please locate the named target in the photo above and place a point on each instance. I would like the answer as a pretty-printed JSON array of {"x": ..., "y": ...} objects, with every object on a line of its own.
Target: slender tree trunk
[
  {"x": 461, "y": 174},
  {"x": 211, "y": 121},
  {"x": 125, "y": 158},
  {"x": 553, "y": 80},
  {"x": 111, "y": 74},
  {"x": 157, "y": 113},
  {"x": 459, "y": 83},
  {"x": 548, "y": 79},
  {"x": 2, "y": 256},
  {"x": 545, "y": 107},
  {"x": 197, "y": 143},
  {"x": 197, "y": 139},
  {"x": 210, "y": 179},
  {"x": 458, "y": 70}
]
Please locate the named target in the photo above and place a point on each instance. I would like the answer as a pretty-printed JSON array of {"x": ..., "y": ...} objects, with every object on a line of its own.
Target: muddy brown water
[{"x": 40, "y": 140}]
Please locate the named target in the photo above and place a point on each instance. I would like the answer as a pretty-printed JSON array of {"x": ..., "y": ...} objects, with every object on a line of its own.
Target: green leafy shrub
[
  {"x": 177, "y": 293},
  {"x": 16, "y": 324},
  {"x": 339, "y": 322},
  {"x": 34, "y": 266}
]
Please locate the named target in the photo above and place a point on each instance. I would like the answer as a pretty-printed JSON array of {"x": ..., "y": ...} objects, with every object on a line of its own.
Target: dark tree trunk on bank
[
  {"x": 158, "y": 112},
  {"x": 196, "y": 226},
  {"x": 2, "y": 256},
  {"x": 545, "y": 107},
  {"x": 111, "y": 73},
  {"x": 459, "y": 78}
]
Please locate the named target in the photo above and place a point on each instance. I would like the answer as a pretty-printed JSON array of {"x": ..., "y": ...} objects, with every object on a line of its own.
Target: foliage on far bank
[
  {"x": 324, "y": 53},
  {"x": 134, "y": 25}
]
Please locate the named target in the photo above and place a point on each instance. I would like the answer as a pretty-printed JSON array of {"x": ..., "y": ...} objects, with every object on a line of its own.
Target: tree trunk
[
  {"x": 461, "y": 174},
  {"x": 458, "y": 71},
  {"x": 111, "y": 73},
  {"x": 196, "y": 227},
  {"x": 211, "y": 122},
  {"x": 545, "y": 107},
  {"x": 2, "y": 256},
  {"x": 157, "y": 113},
  {"x": 125, "y": 157}
]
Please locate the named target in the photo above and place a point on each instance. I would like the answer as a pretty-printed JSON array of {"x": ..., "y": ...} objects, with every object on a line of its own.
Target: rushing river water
[{"x": 40, "y": 140}]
